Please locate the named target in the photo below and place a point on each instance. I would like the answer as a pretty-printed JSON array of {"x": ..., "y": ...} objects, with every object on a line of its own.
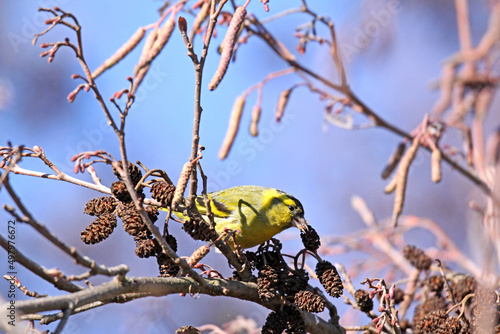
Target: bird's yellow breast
[{"x": 257, "y": 219}]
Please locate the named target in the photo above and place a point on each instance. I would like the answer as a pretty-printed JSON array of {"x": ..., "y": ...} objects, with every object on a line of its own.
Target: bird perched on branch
[{"x": 255, "y": 213}]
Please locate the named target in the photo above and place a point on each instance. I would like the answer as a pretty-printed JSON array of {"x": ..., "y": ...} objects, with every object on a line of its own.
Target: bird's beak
[{"x": 300, "y": 223}]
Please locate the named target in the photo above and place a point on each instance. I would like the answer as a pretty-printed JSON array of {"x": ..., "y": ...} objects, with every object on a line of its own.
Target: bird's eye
[{"x": 291, "y": 207}]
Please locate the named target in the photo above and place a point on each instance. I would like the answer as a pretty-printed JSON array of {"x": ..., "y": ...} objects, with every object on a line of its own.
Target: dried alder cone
[
  {"x": 431, "y": 304},
  {"x": 329, "y": 278},
  {"x": 145, "y": 245},
  {"x": 134, "y": 171},
  {"x": 417, "y": 257},
  {"x": 288, "y": 319},
  {"x": 166, "y": 265},
  {"x": 131, "y": 218},
  {"x": 435, "y": 283},
  {"x": 439, "y": 322},
  {"x": 363, "y": 300},
  {"x": 188, "y": 330},
  {"x": 99, "y": 229},
  {"x": 163, "y": 192},
  {"x": 119, "y": 190},
  {"x": 309, "y": 301},
  {"x": 100, "y": 205},
  {"x": 267, "y": 283},
  {"x": 199, "y": 229},
  {"x": 310, "y": 239}
]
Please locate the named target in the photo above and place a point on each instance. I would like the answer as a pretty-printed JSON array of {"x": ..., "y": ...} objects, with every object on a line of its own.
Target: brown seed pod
[
  {"x": 100, "y": 205},
  {"x": 152, "y": 212},
  {"x": 282, "y": 102},
  {"x": 295, "y": 323},
  {"x": 188, "y": 329},
  {"x": 199, "y": 229},
  {"x": 234, "y": 125},
  {"x": 145, "y": 246},
  {"x": 134, "y": 171},
  {"x": 132, "y": 221},
  {"x": 167, "y": 266},
  {"x": 363, "y": 300},
  {"x": 310, "y": 239},
  {"x": 462, "y": 286},
  {"x": 292, "y": 281},
  {"x": 124, "y": 50},
  {"x": 267, "y": 283},
  {"x": 99, "y": 229},
  {"x": 436, "y": 165},
  {"x": 431, "y": 304},
  {"x": 275, "y": 323},
  {"x": 309, "y": 301},
  {"x": 171, "y": 241},
  {"x": 417, "y": 257},
  {"x": 163, "y": 192},
  {"x": 228, "y": 46},
  {"x": 119, "y": 190},
  {"x": 438, "y": 322},
  {"x": 329, "y": 278},
  {"x": 435, "y": 283}
]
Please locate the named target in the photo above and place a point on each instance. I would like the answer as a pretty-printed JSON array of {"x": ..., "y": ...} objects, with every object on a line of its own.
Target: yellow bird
[{"x": 257, "y": 213}]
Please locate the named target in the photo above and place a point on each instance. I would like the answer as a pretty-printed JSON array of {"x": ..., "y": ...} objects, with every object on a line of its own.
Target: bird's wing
[{"x": 219, "y": 207}]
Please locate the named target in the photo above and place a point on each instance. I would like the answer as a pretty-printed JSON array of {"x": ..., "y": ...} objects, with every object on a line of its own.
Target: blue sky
[{"x": 390, "y": 60}]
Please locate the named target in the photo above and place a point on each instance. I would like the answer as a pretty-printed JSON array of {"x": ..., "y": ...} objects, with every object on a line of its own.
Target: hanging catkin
[
  {"x": 282, "y": 102},
  {"x": 402, "y": 178},
  {"x": 254, "y": 123},
  {"x": 182, "y": 183},
  {"x": 436, "y": 165},
  {"x": 124, "y": 50},
  {"x": 228, "y": 46},
  {"x": 234, "y": 125}
]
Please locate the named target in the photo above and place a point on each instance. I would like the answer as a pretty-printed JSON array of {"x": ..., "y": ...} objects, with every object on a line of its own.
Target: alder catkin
[
  {"x": 124, "y": 50},
  {"x": 393, "y": 160},
  {"x": 182, "y": 183},
  {"x": 254, "y": 123},
  {"x": 282, "y": 102},
  {"x": 402, "y": 178},
  {"x": 202, "y": 15},
  {"x": 163, "y": 37},
  {"x": 391, "y": 186},
  {"x": 143, "y": 60},
  {"x": 198, "y": 255},
  {"x": 436, "y": 165},
  {"x": 234, "y": 124},
  {"x": 228, "y": 46}
]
